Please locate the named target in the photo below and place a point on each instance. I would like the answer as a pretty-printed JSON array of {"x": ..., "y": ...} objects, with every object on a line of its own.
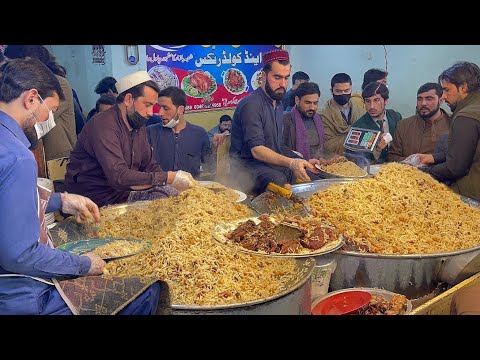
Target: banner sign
[{"x": 214, "y": 77}]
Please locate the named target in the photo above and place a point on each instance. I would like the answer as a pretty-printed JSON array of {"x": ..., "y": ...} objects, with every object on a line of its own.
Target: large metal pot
[
  {"x": 411, "y": 275},
  {"x": 293, "y": 299}
]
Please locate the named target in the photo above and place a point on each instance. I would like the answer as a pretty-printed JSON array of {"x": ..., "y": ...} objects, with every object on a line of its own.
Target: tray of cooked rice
[
  {"x": 342, "y": 167},
  {"x": 202, "y": 274}
]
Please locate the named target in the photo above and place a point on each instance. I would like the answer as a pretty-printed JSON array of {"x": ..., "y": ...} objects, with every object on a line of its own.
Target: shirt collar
[
  {"x": 266, "y": 97},
  {"x": 7, "y": 121},
  {"x": 346, "y": 110},
  {"x": 384, "y": 117}
]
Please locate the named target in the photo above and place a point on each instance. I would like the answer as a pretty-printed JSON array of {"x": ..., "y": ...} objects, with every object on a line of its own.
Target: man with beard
[
  {"x": 112, "y": 161},
  {"x": 257, "y": 146},
  {"x": 419, "y": 134},
  {"x": 461, "y": 91},
  {"x": 375, "y": 96},
  {"x": 31, "y": 270},
  {"x": 303, "y": 129},
  {"x": 340, "y": 113}
]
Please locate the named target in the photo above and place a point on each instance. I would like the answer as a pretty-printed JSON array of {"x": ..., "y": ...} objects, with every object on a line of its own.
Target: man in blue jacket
[
  {"x": 30, "y": 268},
  {"x": 177, "y": 144}
]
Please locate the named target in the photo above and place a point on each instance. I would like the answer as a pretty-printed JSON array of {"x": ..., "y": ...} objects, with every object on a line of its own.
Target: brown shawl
[{"x": 336, "y": 128}]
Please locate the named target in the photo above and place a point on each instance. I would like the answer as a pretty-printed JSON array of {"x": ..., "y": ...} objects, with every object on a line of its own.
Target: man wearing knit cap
[
  {"x": 257, "y": 148},
  {"x": 112, "y": 161}
]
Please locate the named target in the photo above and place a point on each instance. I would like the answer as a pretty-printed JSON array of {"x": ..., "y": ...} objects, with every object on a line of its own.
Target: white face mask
[
  {"x": 44, "y": 127},
  {"x": 172, "y": 123}
]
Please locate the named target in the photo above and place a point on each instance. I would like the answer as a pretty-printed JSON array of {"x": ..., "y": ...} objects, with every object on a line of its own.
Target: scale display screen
[{"x": 359, "y": 139}]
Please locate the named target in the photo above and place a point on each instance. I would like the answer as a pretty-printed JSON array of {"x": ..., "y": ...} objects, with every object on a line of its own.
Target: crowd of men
[{"x": 114, "y": 157}]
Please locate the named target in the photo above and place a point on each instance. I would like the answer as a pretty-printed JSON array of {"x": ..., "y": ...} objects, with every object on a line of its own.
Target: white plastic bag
[{"x": 413, "y": 160}]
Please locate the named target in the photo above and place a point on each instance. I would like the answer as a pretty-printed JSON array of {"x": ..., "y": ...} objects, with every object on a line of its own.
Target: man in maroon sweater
[{"x": 112, "y": 161}]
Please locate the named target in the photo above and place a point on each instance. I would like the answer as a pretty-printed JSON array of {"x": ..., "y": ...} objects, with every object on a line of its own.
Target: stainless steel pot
[
  {"x": 411, "y": 275},
  {"x": 293, "y": 299}
]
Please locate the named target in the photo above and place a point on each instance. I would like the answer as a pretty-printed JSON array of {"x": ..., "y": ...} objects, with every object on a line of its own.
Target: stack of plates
[{"x": 48, "y": 184}]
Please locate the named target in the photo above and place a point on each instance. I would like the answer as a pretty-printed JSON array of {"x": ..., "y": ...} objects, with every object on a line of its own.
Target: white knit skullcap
[{"x": 131, "y": 80}]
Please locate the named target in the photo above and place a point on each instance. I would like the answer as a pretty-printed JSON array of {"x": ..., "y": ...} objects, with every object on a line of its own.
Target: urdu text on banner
[{"x": 214, "y": 77}]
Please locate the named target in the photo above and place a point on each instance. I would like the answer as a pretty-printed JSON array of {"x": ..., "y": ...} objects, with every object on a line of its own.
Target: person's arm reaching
[
  {"x": 297, "y": 165},
  {"x": 20, "y": 251},
  {"x": 465, "y": 136}
]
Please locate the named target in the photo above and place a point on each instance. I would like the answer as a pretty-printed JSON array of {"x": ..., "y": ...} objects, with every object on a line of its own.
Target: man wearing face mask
[
  {"x": 340, "y": 113},
  {"x": 112, "y": 161},
  {"x": 177, "y": 144},
  {"x": 35, "y": 278},
  {"x": 60, "y": 140}
]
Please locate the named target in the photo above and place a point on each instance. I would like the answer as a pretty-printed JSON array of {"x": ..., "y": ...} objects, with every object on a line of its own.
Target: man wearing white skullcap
[{"x": 112, "y": 160}]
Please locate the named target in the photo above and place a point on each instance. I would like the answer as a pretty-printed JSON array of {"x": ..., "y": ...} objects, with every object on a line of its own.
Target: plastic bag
[{"x": 413, "y": 160}]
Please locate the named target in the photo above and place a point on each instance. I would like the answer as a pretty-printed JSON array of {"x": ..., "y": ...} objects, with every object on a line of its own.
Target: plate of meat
[
  {"x": 256, "y": 79},
  {"x": 292, "y": 236},
  {"x": 234, "y": 81},
  {"x": 199, "y": 84}
]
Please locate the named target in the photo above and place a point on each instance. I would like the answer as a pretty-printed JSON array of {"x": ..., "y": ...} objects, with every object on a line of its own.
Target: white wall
[
  {"x": 82, "y": 74},
  {"x": 409, "y": 66},
  {"x": 120, "y": 66}
]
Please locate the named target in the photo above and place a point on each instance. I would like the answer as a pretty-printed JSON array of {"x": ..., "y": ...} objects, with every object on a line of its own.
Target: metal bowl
[
  {"x": 374, "y": 291},
  {"x": 69, "y": 230},
  {"x": 293, "y": 299},
  {"x": 359, "y": 160},
  {"x": 412, "y": 275}
]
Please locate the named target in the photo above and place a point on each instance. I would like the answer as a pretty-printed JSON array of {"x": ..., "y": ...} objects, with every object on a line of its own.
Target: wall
[
  {"x": 82, "y": 74},
  {"x": 409, "y": 66},
  {"x": 120, "y": 66}
]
